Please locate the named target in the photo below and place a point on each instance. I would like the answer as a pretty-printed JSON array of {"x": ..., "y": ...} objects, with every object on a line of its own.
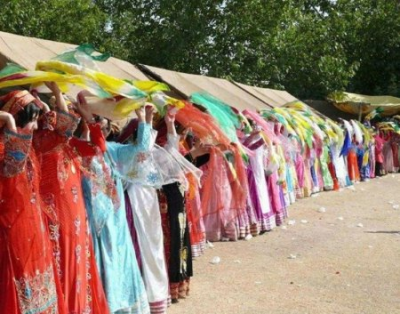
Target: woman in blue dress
[{"x": 105, "y": 203}]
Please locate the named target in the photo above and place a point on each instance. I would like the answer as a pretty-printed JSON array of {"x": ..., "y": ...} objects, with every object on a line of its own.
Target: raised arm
[
  {"x": 173, "y": 138},
  {"x": 124, "y": 153},
  {"x": 94, "y": 140}
]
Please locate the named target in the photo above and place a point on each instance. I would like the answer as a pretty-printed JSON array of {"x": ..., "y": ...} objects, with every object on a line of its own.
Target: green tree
[
  {"x": 77, "y": 21},
  {"x": 285, "y": 44},
  {"x": 370, "y": 33},
  {"x": 172, "y": 34},
  {"x": 308, "y": 47}
]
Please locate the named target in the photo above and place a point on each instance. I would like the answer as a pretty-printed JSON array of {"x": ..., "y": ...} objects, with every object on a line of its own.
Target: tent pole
[{"x": 359, "y": 111}]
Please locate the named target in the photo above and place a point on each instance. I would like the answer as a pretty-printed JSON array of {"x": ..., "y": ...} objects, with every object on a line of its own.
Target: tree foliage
[
  {"x": 308, "y": 47},
  {"x": 75, "y": 21}
]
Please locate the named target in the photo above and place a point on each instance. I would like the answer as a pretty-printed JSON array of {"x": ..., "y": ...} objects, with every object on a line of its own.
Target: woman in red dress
[
  {"x": 61, "y": 191},
  {"x": 27, "y": 274}
]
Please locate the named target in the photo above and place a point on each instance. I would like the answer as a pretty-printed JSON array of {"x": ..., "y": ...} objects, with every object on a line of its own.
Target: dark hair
[{"x": 26, "y": 115}]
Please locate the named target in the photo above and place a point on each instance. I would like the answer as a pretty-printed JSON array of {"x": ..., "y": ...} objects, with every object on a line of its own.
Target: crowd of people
[{"x": 97, "y": 219}]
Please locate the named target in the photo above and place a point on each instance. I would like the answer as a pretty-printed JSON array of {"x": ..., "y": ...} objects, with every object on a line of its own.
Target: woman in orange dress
[
  {"x": 61, "y": 191},
  {"x": 27, "y": 275}
]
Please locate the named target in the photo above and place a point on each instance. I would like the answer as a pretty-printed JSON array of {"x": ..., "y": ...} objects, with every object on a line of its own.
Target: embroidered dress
[
  {"x": 352, "y": 164},
  {"x": 216, "y": 193},
  {"x": 177, "y": 244},
  {"x": 27, "y": 281},
  {"x": 379, "y": 157},
  {"x": 61, "y": 191},
  {"x": 147, "y": 219},
  {"x": 371, "y": 159},
  {"x": 339, "y": 164},
  {"x": 105, "y": 204},
  {"x": 259, "y": 191},
  {"x": 388, "y": 162},
  {"x": 193, "y": 210},
  {"x": 114, "y": 249},
  {"x": 176, "y": 239},
  {"x": 326, "y": 175},
  {"x": 147, "y": 222}
]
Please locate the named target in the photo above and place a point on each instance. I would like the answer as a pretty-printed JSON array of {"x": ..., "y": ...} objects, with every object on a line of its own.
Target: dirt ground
[{"x": 343, "y": 260}]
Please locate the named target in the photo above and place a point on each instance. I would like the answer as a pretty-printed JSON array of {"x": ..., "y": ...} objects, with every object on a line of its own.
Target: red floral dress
[
  {"x": 61, "y": 191},
  {"x": 27, "y": 274}
]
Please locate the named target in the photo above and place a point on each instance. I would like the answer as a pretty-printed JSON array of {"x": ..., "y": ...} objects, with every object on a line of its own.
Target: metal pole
[{"x": 360, "y": 111}]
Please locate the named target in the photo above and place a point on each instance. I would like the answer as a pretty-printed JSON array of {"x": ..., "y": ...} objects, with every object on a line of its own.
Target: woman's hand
[
  {"x": 170, "y": 121},
  {"x": 140, "y": 114},
  {"x": 35, "y": 94},
  {"x": 149, "y": 112},
  {"x": 53, "y": 87},
  {"x": 60, "y": 101},
  {"x": 83, "y": 108}
]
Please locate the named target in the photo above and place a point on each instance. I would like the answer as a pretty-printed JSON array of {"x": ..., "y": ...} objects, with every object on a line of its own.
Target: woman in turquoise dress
[{"x": 105, "y": 203}]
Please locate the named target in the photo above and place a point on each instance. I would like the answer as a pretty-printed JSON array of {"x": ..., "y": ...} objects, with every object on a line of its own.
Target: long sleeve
[
  {"x": 125, "y": 157},
  {"x": 66, "y": 123},
  {"x": 172, "y": 142},
  {"x": 16, "y": 151},
  {"x": 87, "y": 149},
  {"x": 125, "y": 152}
]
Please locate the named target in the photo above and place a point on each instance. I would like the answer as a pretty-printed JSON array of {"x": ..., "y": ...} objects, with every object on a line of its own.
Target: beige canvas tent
[
  {"x": 187, "y": 84},
  {"x": 26, "y": 51},
  {"x": 273, "y": 97}
]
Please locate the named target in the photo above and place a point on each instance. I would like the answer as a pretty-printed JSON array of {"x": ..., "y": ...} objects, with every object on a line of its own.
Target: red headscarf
[{"x": 17, "y": 100}]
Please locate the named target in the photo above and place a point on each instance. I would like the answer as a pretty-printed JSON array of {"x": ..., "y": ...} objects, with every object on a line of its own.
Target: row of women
[
  {"x": 67, "y": 229},
  {"x": 95, "y": 226}
]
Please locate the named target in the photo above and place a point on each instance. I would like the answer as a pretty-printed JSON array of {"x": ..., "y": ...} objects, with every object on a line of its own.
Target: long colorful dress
[
  {"x": 146, "y": 211},
  {"x": 61, "y": 191},
  {"x": 352, "y": 164},
  {"x": 27, "y": 274},
  {"x": 379, "y": 158},
  {"x": 339, "y": 165},
  {"x": 258, "y": 188},
  {"x": 326, "y": 175},
  {"x": 177, "y": 243},
  {"x": 147, "y": 221},
  {"x": 193, "y": 210},
  {"x": 388, "y": 162},
  {"x": 218, "y": 213},
  {"x": 105, "y": 204}
]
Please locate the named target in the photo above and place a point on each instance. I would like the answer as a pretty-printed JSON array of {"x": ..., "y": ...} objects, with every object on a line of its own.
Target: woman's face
[
  {"x": 33, "y": 125},
  {"x": 105, "y": 127}
]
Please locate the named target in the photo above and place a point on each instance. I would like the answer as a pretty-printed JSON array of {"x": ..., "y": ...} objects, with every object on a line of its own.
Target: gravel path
[{"x": 344, "y": 259}]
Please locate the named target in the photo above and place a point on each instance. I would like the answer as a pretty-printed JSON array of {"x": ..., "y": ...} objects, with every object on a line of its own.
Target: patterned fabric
[
  {"x": 327, "y": 177},
  {"x": 176, "y": 233},
  {"x": 27, "y": 282},
  {"x": 37, "y": 294},
  {"x": 72, "y": 246},
  {"x": 66, "y": 123},
  {"x": 17, "y": 100},
  {"x": 18, "y": 147},
  {"x": 115, "y": 254}
]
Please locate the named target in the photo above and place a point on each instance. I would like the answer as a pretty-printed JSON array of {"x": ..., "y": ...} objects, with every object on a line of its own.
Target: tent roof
[
  {"x": 224, "y": 90},
  {"x": 273, "y": 97},
  {"x": 26, "y": 51},
  {"x": 353, "y": 103}
]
